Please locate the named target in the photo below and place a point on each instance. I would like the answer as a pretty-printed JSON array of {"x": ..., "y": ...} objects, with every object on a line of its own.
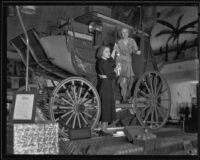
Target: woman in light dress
[{"x": 125, "y": 47}]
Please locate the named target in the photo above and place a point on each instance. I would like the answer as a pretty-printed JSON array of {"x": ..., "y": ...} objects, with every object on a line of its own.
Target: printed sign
[{"x": 23, "y": 109}]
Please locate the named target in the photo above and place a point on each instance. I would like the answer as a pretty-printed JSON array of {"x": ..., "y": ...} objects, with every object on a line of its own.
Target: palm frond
[
  {"x": 166, "y": 31},
  {"x": 189, "y": 32},
  {"x": 189, "y": 25},
  {"x": 179, "y": 21},
  {"x": 165, "y": 23}
]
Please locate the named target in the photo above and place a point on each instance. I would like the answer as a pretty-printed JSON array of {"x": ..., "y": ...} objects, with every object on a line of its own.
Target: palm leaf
[
  {"x": 189, "y": 25},
  {"x": 166, "y": 31},
  {"x": 179, "y": 21},
  {"x": 189, "y": 32},
  {"x": 165, "y": 23}
]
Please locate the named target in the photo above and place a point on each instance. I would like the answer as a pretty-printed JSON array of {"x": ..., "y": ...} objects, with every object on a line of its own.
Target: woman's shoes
[{"x": 102, "y": 133}]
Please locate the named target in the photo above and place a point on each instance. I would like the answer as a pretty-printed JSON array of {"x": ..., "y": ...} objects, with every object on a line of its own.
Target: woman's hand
[
  {"x": 114, "y": 53},
  {"x": 102, "y": 76},
  {"x": 118, "y": 69},
  {"x": 138, "y": 52}
]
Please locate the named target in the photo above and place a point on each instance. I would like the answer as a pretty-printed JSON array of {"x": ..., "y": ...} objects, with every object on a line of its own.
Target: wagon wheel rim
[
  {"x": 75, "y": 103},
  {"x": 152, "y": 100}
]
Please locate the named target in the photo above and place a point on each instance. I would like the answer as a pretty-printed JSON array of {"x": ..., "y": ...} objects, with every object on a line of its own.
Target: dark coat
[{"x": 105, "y": 89}]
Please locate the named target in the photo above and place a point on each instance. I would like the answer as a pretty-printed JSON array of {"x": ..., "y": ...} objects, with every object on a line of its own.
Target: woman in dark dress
[{"x": 107, "y": 71}]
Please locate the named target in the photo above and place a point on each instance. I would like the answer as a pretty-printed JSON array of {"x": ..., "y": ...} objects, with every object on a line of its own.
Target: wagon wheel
[
  {"x": 152, "y": 100},
  {"x": 75, "y": 103},
  {"x": 42, "y": 110}
]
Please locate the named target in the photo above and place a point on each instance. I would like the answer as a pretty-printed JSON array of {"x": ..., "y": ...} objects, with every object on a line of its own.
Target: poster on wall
[{"x": 24, "y": 107}]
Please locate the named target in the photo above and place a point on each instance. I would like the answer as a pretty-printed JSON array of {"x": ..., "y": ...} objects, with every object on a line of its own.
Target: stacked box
[
  {"x": 157, "y": 143},
  {"x": 89, "y": 146},
  {"x": 147, "y": 141},
  {"x": 122, "y": 149},
  {"x": 128, "y": 148},
  {"x": 80, "y": 133},
  {"x": 132, "y": 132}
]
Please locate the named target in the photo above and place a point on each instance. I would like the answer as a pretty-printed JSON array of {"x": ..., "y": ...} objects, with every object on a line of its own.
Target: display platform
[{"x": 168, "y": 141}]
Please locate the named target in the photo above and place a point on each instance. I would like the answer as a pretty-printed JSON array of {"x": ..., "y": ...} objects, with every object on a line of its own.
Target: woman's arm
[{"x": 135, "y": 47}]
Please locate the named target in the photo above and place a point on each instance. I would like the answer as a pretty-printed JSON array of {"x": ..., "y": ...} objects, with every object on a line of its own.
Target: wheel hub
[
  {"x": 153, "y": 100},
  {"x": 79, "y": 108}
]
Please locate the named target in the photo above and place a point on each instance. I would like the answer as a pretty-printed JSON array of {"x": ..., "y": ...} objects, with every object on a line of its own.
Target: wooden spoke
[
  {"x": 155, "y": 84},
  {"x": 80, "y": 91},
  {"x": 74, "y": 120},
  {"x": 57, "y": 119},
  {"x": 144, "y": 94},
  {"x": 156, "y": 114},
  {"x": 91, "y": 107},
  {"x": 66, "y": 114},
  {"x": 148, "y": 113},
  {"x": 62, "y": 129},
  {"x": 83, "y": 119},
  {"x": 62, "y": 107},
  {"x": 63, "y": 86},
  {"x": 69, "y": 118},
  {"x": 159, "y": 87},
  {"x": 70, "y": 97},
  {"x": 150, "y": 82},
  {"x": 87, "y": 101},
  {"x": 72, "y": 82},
  {"x": 160, "y": 94},
  {"x": 74, "y": 91},
  {"x": 79, "y": 122},
  {"x": 73, "y": 88},
  {"x": 65, "y": 100},
  {"x": 145, "y": 83},
  {"x": 82, "y": 99},
  {"x": 87, "y": 114},
  {"x": 145, "y": 107},
  {"x": 144, "y": 102}
]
